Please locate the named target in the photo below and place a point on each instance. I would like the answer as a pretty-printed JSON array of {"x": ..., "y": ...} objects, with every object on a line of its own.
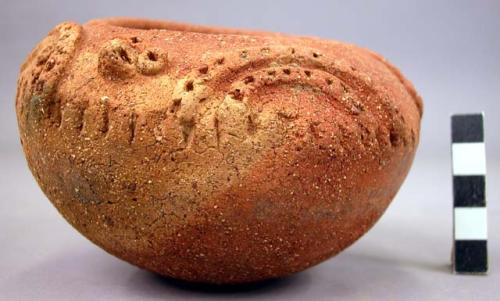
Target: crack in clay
[
  {"x": 132, "y": 126},
  {"x": 217, "y": 131},
  {"x": 79, "y": 120},
  {"x": 104, "y": 115}
]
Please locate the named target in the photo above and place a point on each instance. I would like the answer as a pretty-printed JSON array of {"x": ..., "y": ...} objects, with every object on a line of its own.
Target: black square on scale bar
[
  {"x": 471, "y": 256},
  {"x": 467, "y": 128},
  {"x": 468, "y": 191}
]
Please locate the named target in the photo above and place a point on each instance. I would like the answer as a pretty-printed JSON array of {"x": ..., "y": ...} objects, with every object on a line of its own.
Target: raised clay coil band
[{"x": 214, "y": 155}]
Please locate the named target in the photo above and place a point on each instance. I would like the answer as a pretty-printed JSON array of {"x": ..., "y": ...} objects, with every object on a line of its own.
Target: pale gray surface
[{"x": 449, "y": 49}]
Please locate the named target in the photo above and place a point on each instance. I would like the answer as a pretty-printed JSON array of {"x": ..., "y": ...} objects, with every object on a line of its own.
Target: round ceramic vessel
[{"x": 214, "y": 155}]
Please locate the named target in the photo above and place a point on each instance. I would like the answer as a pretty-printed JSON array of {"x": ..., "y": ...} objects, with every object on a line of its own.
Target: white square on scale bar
[
  {"x": 471, "y": 223},
  {"x": 468, "y": 159}
]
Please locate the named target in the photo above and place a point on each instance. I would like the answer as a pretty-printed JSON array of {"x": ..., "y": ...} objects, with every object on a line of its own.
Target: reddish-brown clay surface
[{"x": 214, "y": 155}]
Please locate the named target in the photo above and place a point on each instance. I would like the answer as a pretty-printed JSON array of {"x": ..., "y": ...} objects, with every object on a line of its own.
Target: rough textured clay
[{"x": 214, "y": 155}]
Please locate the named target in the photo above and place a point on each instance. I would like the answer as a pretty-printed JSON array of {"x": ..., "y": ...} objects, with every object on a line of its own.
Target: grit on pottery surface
[{"x": 214, "y": 155}]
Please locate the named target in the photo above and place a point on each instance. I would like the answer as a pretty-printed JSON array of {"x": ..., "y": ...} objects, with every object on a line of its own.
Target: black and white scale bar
[{"x": 470, "y": 249}]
